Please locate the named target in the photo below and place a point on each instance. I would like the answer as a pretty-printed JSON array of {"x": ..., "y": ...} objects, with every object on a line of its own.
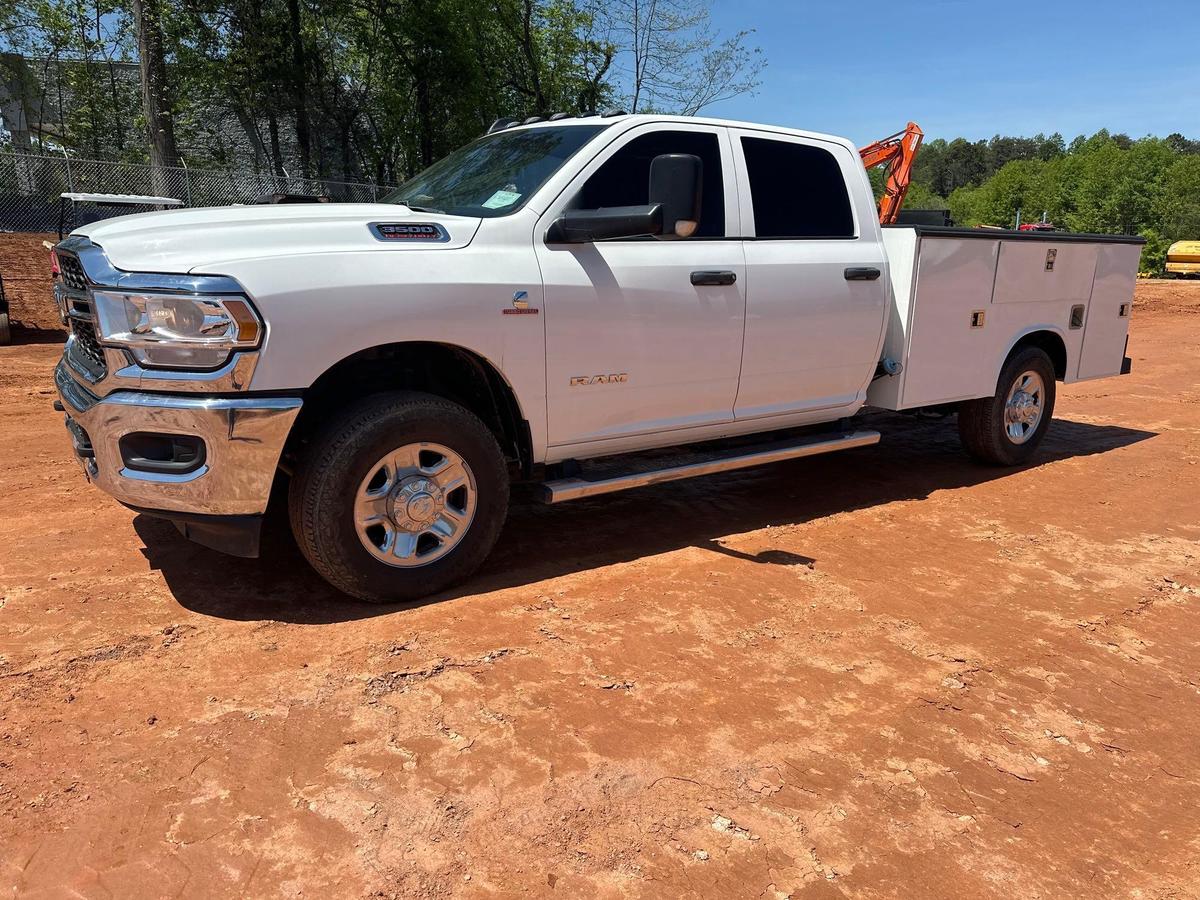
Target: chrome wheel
[
  {"x": 1023, "y": 407},
  {"x": 415, "y": 505}
]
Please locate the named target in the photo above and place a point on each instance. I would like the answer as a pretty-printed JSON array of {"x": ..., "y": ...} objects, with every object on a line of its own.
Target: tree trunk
[
  {"x": 156, "y": 95},
  {"x": 531, "y": 59},
  {"x": 299, "y": 87},
  {"x": 347, "y": 154},
  {"x": 424, "y": 121},
  {"x": 250, "y": 128},
  {"x": 590, "y": 98},
  {"x": 117, "y": 119},
  {"x": 276, "y": 151}
]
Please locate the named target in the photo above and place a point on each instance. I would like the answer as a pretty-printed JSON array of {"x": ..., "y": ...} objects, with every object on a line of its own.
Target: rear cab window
[{"x": 797, "y": 191}]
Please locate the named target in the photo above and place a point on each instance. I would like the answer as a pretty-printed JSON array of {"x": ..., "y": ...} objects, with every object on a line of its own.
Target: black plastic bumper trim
[{"x": 235, "y": 535}]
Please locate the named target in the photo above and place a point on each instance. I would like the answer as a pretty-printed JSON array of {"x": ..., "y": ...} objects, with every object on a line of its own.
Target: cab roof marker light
[
  {"x": 558, "y": 117},
  {"x": 502, "y": 123},
  {"x": 533, "y": 119}
]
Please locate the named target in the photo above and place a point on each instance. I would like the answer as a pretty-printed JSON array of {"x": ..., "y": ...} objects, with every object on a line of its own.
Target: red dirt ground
[
  {"x": 25, "y": 268},
  {"x": 880, "y": 673}
]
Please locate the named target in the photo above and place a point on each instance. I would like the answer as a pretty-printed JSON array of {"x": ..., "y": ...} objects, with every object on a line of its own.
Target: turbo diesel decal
[{"x": 408, "y": 232}]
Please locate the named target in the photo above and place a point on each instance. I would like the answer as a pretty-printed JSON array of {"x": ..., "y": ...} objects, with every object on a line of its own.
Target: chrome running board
[{"x": 564, "y": 489}]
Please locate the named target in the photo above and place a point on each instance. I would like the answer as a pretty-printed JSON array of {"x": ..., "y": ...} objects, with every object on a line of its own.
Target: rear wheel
[
  {"x": 1006, "y": 428},
  {"x": 5, "y": 330},
  {"x": 400, "y": 497}
]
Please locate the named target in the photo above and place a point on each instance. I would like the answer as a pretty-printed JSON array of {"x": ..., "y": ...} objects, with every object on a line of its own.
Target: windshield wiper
[{"x": 426, "y": 209}]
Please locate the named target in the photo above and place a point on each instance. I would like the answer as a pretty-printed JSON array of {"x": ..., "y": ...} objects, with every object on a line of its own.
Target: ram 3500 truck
[{"x": 553, "y": 293}]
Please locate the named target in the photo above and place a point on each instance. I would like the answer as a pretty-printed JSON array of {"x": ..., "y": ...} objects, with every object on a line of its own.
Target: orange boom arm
[{"x": 900, "y": 150}]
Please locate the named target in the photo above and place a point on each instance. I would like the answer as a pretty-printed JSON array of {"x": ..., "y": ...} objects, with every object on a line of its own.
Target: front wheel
[
  {"x": 399, "y": 498},
  {"x": 1006, "y": 428}
]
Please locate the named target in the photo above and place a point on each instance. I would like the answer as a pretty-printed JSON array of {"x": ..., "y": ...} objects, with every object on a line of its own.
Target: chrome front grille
[
  {"x": 84, "y": 351},
  {"x": 72, "y": 272},
  {"x": 87, "y": 344}
]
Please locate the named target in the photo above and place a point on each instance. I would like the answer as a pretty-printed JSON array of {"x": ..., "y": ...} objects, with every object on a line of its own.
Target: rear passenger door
[{"x": 816, "y": 277}]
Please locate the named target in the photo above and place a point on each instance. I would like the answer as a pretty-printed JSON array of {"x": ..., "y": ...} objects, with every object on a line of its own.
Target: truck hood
[{"x": 200, "y": 240}]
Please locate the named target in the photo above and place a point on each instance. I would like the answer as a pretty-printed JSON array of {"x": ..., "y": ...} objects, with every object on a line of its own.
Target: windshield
[{"x": 496, "y": 174}]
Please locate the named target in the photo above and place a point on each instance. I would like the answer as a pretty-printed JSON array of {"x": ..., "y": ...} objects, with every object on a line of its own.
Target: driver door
[{"x": 643, "y": 335}]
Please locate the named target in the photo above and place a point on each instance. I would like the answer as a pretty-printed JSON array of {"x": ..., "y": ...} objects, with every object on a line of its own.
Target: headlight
[{"x": 177, "y": 331}]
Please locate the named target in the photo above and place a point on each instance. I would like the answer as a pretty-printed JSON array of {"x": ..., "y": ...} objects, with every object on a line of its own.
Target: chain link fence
[{"x": 30, "y": 188}]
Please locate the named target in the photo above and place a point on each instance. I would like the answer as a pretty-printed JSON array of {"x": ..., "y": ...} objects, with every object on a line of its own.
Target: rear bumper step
[{"x": 564, "y": 489}]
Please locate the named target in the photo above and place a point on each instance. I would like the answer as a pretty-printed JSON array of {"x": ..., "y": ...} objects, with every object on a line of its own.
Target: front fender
[{"x": 321, "y": 309}]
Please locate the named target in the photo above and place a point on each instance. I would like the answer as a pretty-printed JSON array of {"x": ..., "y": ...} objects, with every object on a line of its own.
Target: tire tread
[
  {"x": 981, "y": 421},
  {"x": 313, "y": 501}
]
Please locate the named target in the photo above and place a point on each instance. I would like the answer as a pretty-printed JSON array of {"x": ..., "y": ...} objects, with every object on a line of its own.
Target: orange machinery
[{"x": 900, "y": 151}]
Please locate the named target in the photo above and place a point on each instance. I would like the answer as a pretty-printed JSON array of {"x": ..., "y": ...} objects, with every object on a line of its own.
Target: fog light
[{"x": 166, "y": 454}]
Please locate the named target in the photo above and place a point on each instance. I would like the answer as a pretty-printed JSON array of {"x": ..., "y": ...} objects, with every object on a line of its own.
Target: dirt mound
[
  {"x": 1167, "y": 295},
  {"x": 25, "y": 268}
]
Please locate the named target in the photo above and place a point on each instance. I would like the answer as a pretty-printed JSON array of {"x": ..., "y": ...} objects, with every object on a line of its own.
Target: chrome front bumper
[{"x": 243, "y": 437}]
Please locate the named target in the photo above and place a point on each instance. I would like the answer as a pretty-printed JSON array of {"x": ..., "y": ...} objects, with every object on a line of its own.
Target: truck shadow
[
  {"x": 915, "y": 458},
  {"x": 24, "y": 334}
]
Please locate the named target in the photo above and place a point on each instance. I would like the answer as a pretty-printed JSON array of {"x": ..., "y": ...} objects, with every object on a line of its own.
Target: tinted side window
[
  {"x": 798, "y": 191},
  {"x": 625, "y": 179}
]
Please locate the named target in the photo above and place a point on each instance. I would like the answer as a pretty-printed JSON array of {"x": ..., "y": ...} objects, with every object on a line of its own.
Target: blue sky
[{"x": 960, "y": 67}]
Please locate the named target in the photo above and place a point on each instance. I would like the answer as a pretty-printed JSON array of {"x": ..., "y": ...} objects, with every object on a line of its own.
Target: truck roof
[{"x": 628, "y": 120}]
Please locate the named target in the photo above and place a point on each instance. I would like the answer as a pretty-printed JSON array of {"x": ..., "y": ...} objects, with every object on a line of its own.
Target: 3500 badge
[{"x": 406, "y": 232}]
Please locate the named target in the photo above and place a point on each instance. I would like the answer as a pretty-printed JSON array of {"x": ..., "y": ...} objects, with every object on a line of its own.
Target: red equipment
[{"x": 900, "y": 151}]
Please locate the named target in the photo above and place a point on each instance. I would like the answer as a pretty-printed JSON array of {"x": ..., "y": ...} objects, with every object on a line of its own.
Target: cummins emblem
[
  {"x": 409, "y": 232},
  {"x": 520, "y": 305},
  {"x": 584, "y": 380}
]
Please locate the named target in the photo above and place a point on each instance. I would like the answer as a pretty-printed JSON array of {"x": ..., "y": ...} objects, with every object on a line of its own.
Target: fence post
[{"x": 187, "y": 183}]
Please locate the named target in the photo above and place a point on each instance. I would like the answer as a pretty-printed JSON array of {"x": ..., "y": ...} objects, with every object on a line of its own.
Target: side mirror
[
  {"x": 676, "y": 180},
  {"x": 582, "y": 226}
]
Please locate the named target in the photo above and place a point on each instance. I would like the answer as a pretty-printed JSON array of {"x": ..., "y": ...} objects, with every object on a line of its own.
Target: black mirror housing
[
  {"x": 676, "y": 183},
  {"x": 582, "y": 226}
]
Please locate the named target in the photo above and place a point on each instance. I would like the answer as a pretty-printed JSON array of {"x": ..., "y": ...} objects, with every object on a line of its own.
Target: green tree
[
  {"x": 1177, "y": 206},
  {"x": 921, "y": 197}
]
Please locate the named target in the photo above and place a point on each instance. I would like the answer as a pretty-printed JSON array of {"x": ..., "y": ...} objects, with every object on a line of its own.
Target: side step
[{"x": 564, "y": 489}]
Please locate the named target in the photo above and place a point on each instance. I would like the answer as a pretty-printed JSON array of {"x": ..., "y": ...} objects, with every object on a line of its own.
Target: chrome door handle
[
  {"x": 699, "y": 278},
  {"x": 862, "y": 273}
]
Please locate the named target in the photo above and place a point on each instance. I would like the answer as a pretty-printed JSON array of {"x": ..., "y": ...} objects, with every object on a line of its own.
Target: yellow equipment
[{"x": 1183, "y": 258}]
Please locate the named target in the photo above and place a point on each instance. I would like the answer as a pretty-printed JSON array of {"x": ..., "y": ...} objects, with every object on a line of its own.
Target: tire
[
  {"x": 1002, "y": 434},
  {"x": 362, "y": 485},
  {"x": 5, "y": 330}
]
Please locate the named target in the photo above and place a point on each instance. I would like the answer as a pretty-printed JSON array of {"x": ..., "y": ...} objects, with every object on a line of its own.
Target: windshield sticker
[
  {"x": 405, "y": 232},
  {"x": 501, "y": 199}
]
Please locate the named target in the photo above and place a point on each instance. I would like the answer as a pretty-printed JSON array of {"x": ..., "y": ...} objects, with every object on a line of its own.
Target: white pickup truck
[{"x": 555, "y": 292}]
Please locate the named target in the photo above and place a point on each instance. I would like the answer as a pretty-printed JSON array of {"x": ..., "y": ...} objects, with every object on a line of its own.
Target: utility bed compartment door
[
  {"x": 948, "y": 357},
  {"x": 1108, "y": 314},
  {"x": 1037, "y": 271}
]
